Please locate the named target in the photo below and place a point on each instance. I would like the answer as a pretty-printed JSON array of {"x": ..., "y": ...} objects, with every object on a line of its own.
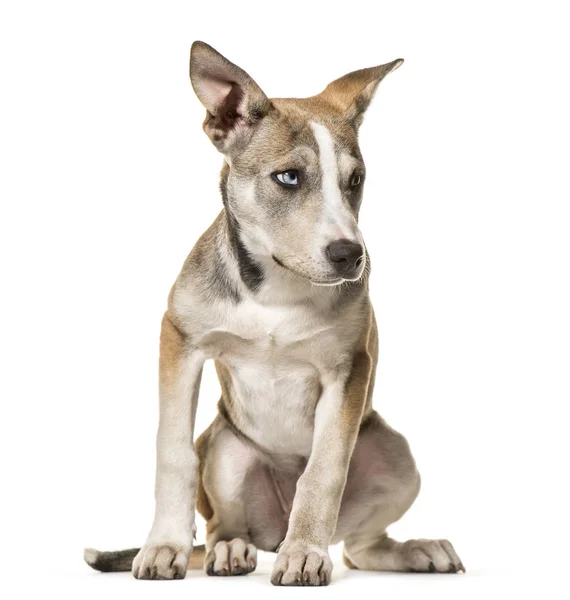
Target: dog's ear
[
  {"x": 234, "y": 102},
  {"x": 352, "y": 93}
]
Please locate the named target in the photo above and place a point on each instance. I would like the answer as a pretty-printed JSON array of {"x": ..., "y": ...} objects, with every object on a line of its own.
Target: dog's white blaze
[
  {"x": 334, "y": 207},
  {"x": 329, "y": 167}
]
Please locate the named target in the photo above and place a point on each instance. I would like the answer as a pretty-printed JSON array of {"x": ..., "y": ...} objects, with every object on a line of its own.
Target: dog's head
[{"x": 294, "y": 174}]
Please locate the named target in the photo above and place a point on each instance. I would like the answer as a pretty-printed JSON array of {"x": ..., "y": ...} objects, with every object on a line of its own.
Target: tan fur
[{"x": 352, "y": 93}]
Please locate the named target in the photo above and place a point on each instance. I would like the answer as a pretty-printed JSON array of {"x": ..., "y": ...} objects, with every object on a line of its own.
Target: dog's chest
[
  {"x": 269, "y": 335},
  {"x": 275, "y": 357}
]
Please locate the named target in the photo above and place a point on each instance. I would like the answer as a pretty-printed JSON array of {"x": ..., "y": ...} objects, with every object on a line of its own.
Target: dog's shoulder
[{"x": 205, "y": 280}]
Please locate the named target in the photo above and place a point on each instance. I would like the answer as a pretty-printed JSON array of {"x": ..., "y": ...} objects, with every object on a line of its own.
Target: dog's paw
[
  {"x": 161, "y": 561},
  {"x": 430, "y": 556},
  {"x": 300, "y": 565},
  {"x": 231, "y": 558}
]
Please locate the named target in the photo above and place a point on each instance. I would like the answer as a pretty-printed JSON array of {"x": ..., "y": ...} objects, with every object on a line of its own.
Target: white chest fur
[{"x": 276, "y": 356}]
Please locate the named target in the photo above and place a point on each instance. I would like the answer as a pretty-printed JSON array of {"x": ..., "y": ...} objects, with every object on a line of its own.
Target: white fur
[
  {"x": 337, "y": 221},
  {"x": 271, "y": 379},
  {"x": 328, "y": 406},
  {"x": 177, "y": 462}
]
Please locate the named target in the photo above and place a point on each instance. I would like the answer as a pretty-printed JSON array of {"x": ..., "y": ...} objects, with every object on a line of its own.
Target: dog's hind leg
[
  {"x": 382, "y": 484},
  {"x": 227, "y": 463},
  {"x": 224, "y": 463}
]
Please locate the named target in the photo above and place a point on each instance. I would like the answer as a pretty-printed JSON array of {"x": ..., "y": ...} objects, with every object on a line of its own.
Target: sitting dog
[{"x": 276, "y": 292}]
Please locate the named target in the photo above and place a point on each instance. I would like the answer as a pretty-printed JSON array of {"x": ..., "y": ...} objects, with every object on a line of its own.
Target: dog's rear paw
[
  {"x": 430, "y": 556},
  {"x": 161, "y": 562},
  {"x": 231, "y": 558}
]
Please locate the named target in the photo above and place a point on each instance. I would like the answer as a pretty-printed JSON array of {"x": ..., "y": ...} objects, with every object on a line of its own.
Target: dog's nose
[{"x": 346, "y": 256}]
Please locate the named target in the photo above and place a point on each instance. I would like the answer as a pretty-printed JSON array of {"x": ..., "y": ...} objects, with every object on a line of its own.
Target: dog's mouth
[{"x": 319, "y": 282}]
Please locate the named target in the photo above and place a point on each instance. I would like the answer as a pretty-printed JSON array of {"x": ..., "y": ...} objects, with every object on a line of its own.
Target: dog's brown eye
[{"x": 355, "y": 180}]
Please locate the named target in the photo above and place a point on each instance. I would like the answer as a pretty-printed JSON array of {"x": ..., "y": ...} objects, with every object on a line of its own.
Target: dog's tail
[{"x": 122, "y": 560}]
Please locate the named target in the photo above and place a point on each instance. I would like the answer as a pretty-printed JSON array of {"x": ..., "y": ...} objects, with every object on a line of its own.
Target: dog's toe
[
  {"x": 161, "y": 562},
  {"x": 430, "y": 556},
  {"x": 298, "y": 567},
  {"x": 231, "y": 558}
]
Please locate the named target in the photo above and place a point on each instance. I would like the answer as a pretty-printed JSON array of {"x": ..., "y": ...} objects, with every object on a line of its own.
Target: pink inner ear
[{"x": 213, "y": 92}]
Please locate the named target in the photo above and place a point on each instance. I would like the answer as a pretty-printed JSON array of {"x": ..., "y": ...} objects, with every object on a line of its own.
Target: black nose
[{"x": 345, "y": 256}]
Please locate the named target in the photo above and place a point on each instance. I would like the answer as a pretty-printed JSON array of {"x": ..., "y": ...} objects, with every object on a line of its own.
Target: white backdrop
[{"x": 107, "y": 181}]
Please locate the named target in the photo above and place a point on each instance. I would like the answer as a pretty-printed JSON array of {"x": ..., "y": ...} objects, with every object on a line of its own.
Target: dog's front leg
[
  {"x": 303, "y": 557},
  {"x": 169, "y": 544}
]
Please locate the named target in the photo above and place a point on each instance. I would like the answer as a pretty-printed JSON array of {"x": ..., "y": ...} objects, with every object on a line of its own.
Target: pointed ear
[
  {"x": 353, "y": 92},
  {"x": 235, "y": 103}
]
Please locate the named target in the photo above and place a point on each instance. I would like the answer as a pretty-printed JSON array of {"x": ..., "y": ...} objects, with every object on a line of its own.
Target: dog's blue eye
[{"x": 288, "y": 178}]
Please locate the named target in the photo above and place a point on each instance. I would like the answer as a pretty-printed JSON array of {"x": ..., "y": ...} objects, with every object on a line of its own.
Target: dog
[{"x": 276, "y": 292}]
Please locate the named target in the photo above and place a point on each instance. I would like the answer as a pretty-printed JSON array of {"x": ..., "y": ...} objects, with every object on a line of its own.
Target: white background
[{"x": 107, "y": 181}]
